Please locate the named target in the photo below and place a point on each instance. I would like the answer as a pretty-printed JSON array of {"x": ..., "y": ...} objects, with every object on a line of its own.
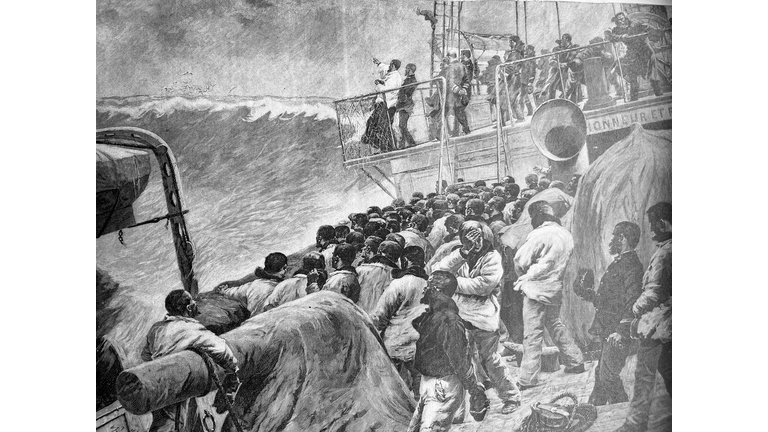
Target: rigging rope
[{"x": 559, "y": 36}]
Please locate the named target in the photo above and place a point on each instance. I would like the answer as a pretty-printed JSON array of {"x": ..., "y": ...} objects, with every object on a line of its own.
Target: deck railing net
[{"x": 368, "y": 127}]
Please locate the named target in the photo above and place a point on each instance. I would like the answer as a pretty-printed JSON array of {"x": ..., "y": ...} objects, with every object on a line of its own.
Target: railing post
[{"x": 498, "y": 123}]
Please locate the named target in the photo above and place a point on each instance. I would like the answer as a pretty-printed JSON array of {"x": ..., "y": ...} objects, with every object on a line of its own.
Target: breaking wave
[{"x": 259, "y": 175}]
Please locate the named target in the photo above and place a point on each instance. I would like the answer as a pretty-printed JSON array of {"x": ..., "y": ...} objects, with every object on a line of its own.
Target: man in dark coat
[
  {"x": 443, "y": 357},
  {"x": 466, "y": 60},
  {"x": 654, "y": 352},
  {"x": 405, "y": 105},
  {"x": 567, "y": 77},
  {"x": 619, "y": 287},
  {"x": 639, "y": 59},
  {"x": 457, "y": 97}
]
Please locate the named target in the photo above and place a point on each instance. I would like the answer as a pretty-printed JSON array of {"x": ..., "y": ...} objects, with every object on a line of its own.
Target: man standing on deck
[
  {"x": 440, "y": 213},
  {"x": 619, "y": 287},
  {"x": 514, "y": 83},
  {"x": 344, "y": 279},
  {"x": 639, "y": 59},
  {"x": 415, "y": 235},
  {"x": 443, "y": 357},
  {"x": 540, "y": 263},
  {"x": 562, "y": 79},
  {"x": 479, "y": 272},
  {"x": 310, "y": 278},
  {"x": 395, "y": 311},
  {"x": 326, "y": 242},
  {"x": 457, "y": 97},
  {"x": 469, "y": 64},
  {"x": 254, "y": 289},
  {"x": 376, "y": 274},
  {"x": 180, "y": 331},
  {"x": 655, "y": 352},
  {"x": 405, "y": 105}
]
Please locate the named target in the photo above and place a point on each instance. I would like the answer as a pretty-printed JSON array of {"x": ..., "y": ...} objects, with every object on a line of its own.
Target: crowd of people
[
  {"x": 434, "y": 280},
  {"x": 527, "y": 84},
  {"x": 532, "y": 83}
]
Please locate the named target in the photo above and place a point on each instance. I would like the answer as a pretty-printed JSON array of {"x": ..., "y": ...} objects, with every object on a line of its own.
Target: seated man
[
  {"x": 443, "y": 357},
  {"x": 180, "y": 331},
  {"x": 254, "y": 289}
]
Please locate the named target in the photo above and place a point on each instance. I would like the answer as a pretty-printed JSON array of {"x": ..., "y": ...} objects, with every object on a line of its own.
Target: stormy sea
[{"x": 258, "y": 175}]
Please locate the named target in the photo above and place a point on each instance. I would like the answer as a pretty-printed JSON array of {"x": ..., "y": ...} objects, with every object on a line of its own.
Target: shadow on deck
[{"x": 609, "y": 418}]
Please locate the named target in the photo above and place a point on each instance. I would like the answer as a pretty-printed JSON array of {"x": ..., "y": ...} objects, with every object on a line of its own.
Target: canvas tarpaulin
[
  {"x": 313, "y": 364},
  {"x": 629, "y": 177},
  {"x": 122, "y": 175}
]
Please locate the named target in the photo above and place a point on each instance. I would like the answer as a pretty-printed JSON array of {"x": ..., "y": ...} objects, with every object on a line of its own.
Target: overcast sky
[{"x": 295, "y": 47}]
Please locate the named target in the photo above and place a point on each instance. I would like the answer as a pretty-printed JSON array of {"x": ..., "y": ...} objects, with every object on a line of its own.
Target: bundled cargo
[
  {"x": 632, "y": 175},
  {"x": 219, "y": 313},
  {"x": 313, "y": 364}
]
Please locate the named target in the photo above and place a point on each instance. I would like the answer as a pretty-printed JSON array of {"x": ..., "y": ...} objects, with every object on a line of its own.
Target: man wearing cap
[
  {"x": 254, "y": 289},
  {"x": 540, "y": 264},
  {"x": 639, "y": 59},
  {"x": 405, "y": 105},
  {"x": 376, "y": 275},
  {"x": 326, "y": 242},
  {"x": 415, "y": 234},
  {"x": 655, "y": 350},
  {"x": 619, "y": 287},
  {"x": 344, "y": 279},
  {"x": 395, "y": 311},
  {"x": 457, "y": 96},
  {"x": 440, "y": 212},
  {"x": 564, "y": 62},
  {"x": 479, "y": 272}
]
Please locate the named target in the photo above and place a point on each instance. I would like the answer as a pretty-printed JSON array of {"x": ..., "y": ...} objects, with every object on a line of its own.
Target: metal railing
[
  {"x": 565, "y": 76},
  {"x": 368, "y": 125}
]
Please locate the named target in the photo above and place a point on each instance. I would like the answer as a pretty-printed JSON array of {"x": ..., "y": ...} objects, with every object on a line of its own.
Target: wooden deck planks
[{"x": 610, "y": 417}]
